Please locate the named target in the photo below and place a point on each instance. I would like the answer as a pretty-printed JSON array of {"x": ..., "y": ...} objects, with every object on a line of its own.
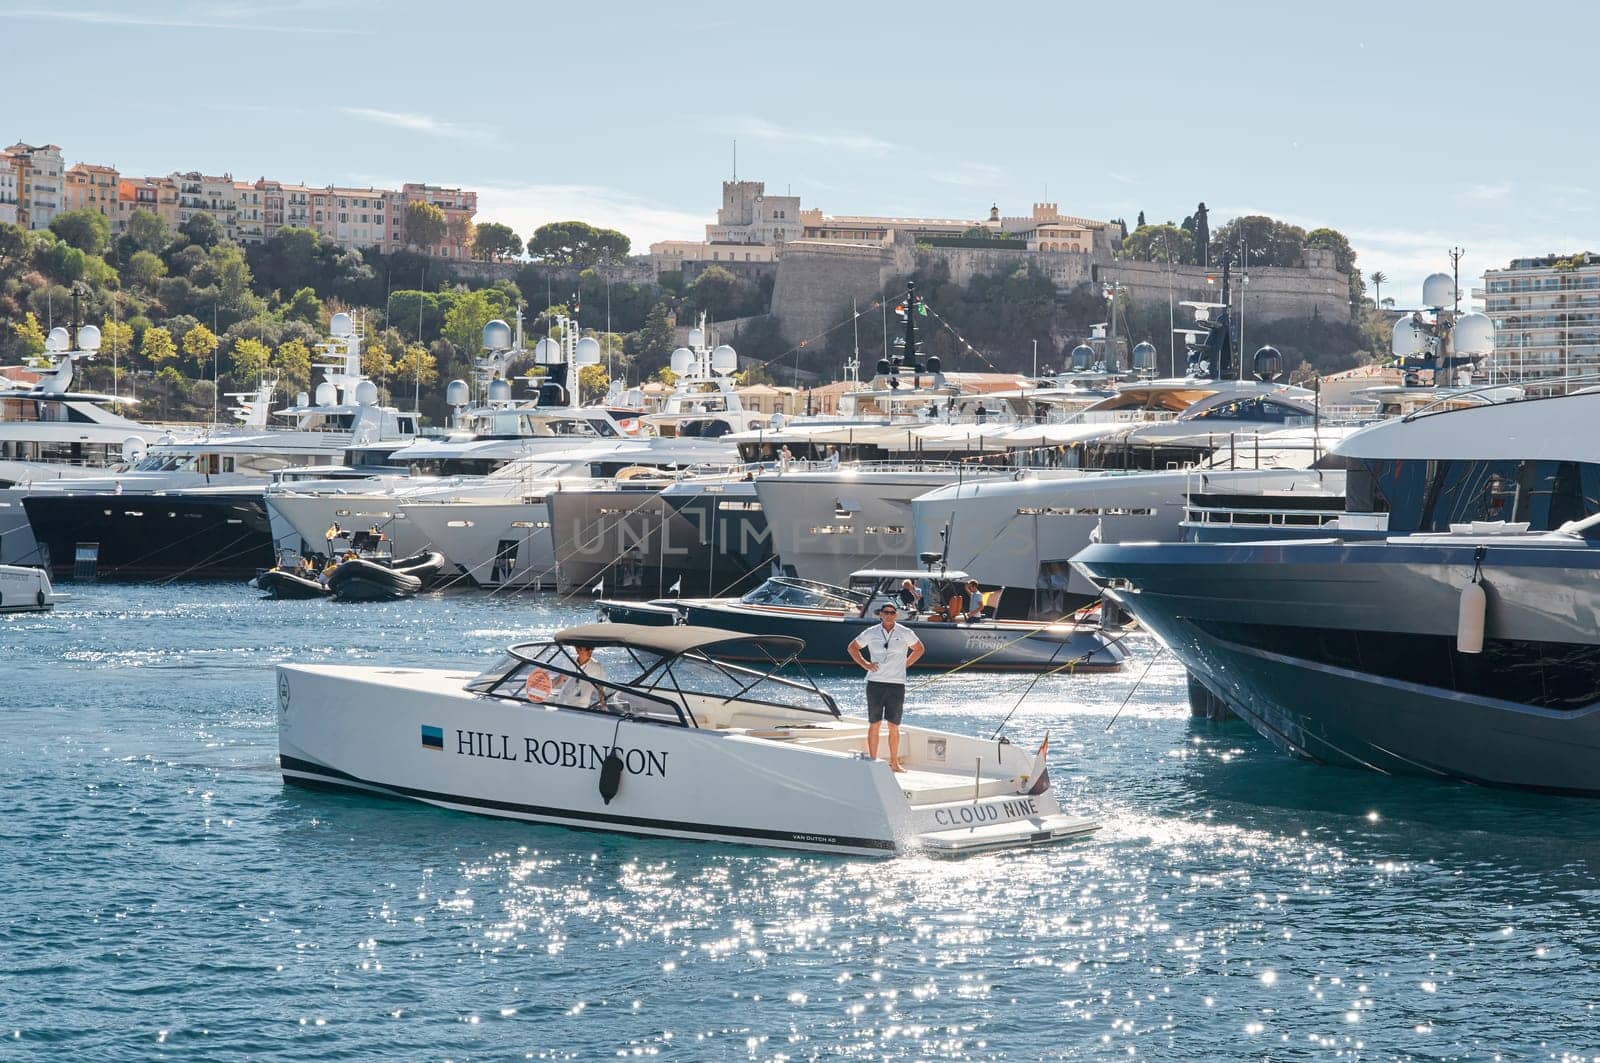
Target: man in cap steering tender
[{"x": 893, "y": 648}]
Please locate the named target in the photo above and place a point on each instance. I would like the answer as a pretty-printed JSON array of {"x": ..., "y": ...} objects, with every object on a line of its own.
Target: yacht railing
[{"x": 1507, "y": 392}]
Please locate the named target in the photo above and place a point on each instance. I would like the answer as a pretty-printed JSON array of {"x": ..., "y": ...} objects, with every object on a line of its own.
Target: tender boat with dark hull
[
  {"x": 671, "y": 741},
  {"x": 827, "y": 618},
  {"x": 288, "y": 585}
]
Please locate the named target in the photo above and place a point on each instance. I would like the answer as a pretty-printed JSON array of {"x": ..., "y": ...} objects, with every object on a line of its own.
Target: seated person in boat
[
  {"x": 578, "y": 693},
  {"x": 909, "y": 597},
  {"x": 333, "y": 532},
  {"x": 955, "y": 605}
]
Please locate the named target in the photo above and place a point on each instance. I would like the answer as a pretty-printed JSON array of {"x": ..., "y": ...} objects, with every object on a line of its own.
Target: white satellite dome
[
  {"x": 547, "y": 352},
  {"x": 303, "y": 399},
  {"x": 499, "y": 391},
  {"x": 724, "y": 359},
  {"x": 1439, "y": 289},
  {"x": 586, "y": 352},
  {"x": 327, "y": 394},
  {"x": 497, "y": 335},
  {"x": 682, "y": 359},
  {"x": 366, "y": 393},
  {"x": 1407, "y": 339},
  {"x": 58, "y": 340},
  {"x": 1474, "y": 334},
  {"x": 457, "y": 393},
  {"x": 89, "y": 338},
  {"x": 697, "y": 337},
  {"x": 341, "y": 325},
  {"x": 134, "y": 448}
]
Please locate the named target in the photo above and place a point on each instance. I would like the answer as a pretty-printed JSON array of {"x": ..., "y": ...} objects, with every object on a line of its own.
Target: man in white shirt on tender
[
  {"x": 893, "y": 648},
  {"x": 580, "y": 693}
]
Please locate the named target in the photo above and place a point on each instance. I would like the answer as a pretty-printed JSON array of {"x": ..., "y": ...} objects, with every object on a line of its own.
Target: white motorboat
[
  {"x": 670, "y": 741},
  {"x": 26, "y": 590}
]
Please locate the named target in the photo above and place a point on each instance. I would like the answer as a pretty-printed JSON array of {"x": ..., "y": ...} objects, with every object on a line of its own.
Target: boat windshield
[{"x": 804, "y": 593}]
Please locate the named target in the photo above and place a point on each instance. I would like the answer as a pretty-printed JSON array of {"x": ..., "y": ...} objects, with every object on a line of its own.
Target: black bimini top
[{"x": 670, "y": 641}]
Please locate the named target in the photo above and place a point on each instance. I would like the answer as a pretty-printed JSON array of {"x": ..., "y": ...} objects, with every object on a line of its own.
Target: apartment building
[
  {"x": 459, "y": 205},
  {"x": 158, "y": 195},
  {"x": 39, "y": 172},
  {"x": 1546, "y": 314},
  {"x": 9, "y": 190},
  {"x": 86, "y": 186}
]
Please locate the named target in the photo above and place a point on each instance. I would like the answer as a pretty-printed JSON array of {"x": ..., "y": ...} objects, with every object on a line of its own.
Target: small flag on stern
[
  {"x": 1041, "y": 768},
  {"x": 677, "y": 585},
  {"x": 433, "y": 738},
  {"x": 599, "y": 586}
]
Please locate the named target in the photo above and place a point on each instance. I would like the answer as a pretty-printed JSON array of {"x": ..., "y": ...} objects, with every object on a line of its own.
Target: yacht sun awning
[{"x": 672, "y": 641}]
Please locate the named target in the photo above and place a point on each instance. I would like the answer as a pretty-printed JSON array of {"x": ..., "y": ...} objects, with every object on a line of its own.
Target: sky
[{"x": 1410, "y": 127}]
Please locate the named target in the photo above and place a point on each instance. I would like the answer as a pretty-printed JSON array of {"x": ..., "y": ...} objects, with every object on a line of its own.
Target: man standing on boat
[{"x": 894, "y": 648}]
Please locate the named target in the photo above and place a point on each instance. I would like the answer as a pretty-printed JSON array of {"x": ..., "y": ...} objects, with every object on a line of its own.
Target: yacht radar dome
[
  {"x": 1474, "y": 334},
  {"x": 341, "y": 325},
  {"x": 697, "y": 337},
  {"x": 1408, "y": 339},
  {"x": 458, "y": 393},
  {"x": 89, "y": 338},
  {"x": 682, "y": 359},
  {"x": 1082, "y": 357},
  {"x": 587, "y": 352},
  {"x": 497, "y": 336},
  {"x": 547, "y": 352},
  {"x": 303, "y": 399},
  {"x": 366, "y": 393},
  {"x": 327, "y": 394},
  {"x": 724, "y": 359},
  {"x": 1144, "y": 355},
  {"x": 499, "y": 391},
  {"x": 1267, "y": 364},
  {"x": 134, "y": 449},
  {"x": 58, "y": 340},
  {"x": 1438, "y": 290}
]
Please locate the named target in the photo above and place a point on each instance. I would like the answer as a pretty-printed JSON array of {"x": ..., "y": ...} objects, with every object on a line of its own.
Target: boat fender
[
  {"x": 537, "y": 687},
  {"x": 40, "y": 597},
  {"x": 611, "y": 769},
  {"x": 1473, "y": 612}
]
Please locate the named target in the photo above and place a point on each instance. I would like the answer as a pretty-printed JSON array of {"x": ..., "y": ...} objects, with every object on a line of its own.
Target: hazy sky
[{"x": 1408, "y": 126}]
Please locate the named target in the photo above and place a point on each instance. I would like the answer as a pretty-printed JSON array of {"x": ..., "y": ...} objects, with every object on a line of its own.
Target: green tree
[
  {"x": 1379, "y": 279},
  {"x": 29, "y": 336},
  {"x": 468, "y": 313},
  {"x": 144, "y": 231},
  {"x": 145, "y": 268},
  {"x": 250, "y": 358},
  {"x": 199, "y": 343},
  {"x": 293, "y": 363},
  {"x": 592, "y": 382},
  {"x": 1344, "y": 260},
  {"x": 494, "y": 241},
  {"x": 714, "y": 291},
  {"x": 304, "y": 306},
  {"x": 1159, "y": 243},
  {"x": 61, "y": 260},
  {"x": 13, "y": 244},
  {"x": 1268, "y": 241},
  {"x": 202, "y": 230},
  {"x": 157, "y": 349},
  {"x": 375, "y": 361},
  {"x": 576, "y": 243},
  {"x": 425, "y": 224},
  {"x": 417, "y": 366},
  {"x": 653, "y": 343},
  {"x": 87, "y": 230},
  {"x": 116, "y": 336}
]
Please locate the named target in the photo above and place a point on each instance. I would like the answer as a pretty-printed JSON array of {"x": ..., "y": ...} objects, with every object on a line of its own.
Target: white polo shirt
[{"x": 888, "y": 650}]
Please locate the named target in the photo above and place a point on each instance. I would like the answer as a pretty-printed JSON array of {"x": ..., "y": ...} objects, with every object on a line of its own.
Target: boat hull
[
  {"x": 276, "y": 583},
  {"x": 414, "y": 734},
  {"x": 1345, "y": 653},
  {"x": 985, "y": 645},
  {"x": 222, "y": 535},
  {"x": 360, "y": 580}
]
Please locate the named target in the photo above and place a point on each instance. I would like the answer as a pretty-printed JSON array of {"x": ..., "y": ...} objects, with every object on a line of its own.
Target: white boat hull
[{"x": 417, "y": 734}]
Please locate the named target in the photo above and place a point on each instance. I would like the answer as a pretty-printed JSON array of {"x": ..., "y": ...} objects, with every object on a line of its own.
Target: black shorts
[{"x": 885, "y": 701}]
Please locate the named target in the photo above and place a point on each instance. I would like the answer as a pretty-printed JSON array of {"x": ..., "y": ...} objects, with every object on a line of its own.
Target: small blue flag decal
[{"x": 433, "y": 738}]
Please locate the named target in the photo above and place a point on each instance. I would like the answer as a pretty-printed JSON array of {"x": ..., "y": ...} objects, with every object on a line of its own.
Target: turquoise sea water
[{"x": 166, "y": 896}]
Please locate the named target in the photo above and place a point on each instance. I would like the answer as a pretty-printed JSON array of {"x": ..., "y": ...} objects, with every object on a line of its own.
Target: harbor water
[{"x": 167, "y": 897}]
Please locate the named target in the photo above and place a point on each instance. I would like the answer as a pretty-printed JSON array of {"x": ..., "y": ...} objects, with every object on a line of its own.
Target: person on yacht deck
[
  {"x": 894, "y": 648},
  {"x": 909, "y": 596}
]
